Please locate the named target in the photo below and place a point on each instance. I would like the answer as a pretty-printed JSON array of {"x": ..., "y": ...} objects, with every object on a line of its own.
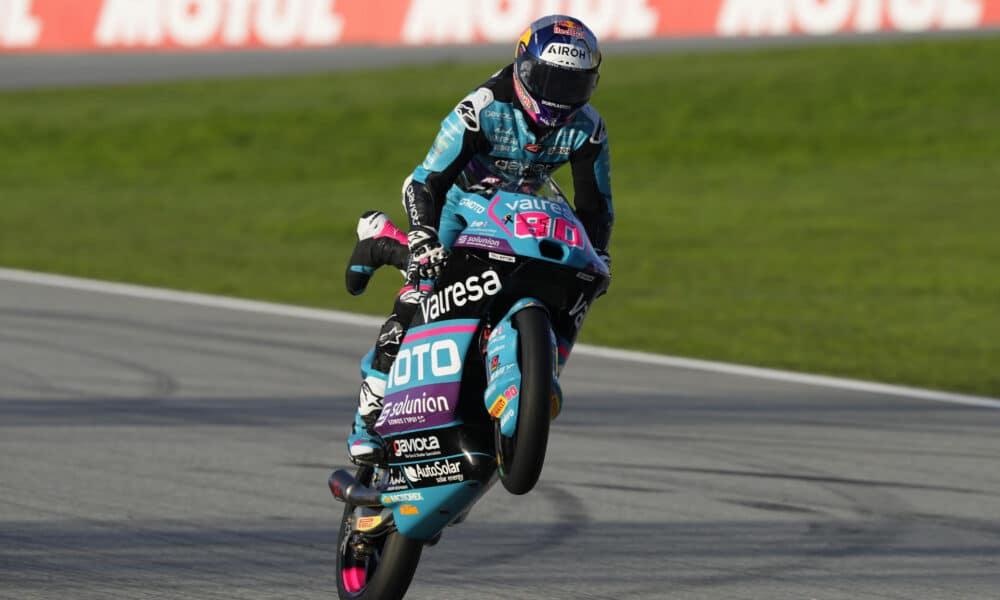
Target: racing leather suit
[{"x": 489, "y": 141}]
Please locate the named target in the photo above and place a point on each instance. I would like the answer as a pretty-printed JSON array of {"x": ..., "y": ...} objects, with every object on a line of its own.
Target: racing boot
[
  {"x": 379, "y": 243},
  {"x": 364, "y": 446}
]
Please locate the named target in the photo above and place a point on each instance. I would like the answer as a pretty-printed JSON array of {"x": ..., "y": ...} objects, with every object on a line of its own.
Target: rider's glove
[{"x": 427, "y": 251}]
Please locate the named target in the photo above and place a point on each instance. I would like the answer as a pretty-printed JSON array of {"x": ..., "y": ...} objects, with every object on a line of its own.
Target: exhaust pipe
[{"x": 346, "y": 488}]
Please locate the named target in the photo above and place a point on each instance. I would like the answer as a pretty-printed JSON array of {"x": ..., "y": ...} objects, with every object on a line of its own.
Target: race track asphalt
[{"x": 156, "y": 449}]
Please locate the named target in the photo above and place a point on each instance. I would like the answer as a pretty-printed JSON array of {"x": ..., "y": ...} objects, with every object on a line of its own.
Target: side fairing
[
  {"x": 420, "y": 514},
  {"x": 423, "y": 384},
  {"x": 433, "y": 475},
  {"x": 437, "y": 468}
]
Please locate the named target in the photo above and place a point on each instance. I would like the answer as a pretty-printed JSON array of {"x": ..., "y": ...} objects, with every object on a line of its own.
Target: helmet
[{"x": 555, "y": 69}]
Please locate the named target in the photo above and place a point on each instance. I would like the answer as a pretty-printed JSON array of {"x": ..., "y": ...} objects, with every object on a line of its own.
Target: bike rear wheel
[
  {"x": 384, "y": 574},
  {"x": 521, "y": 458}
]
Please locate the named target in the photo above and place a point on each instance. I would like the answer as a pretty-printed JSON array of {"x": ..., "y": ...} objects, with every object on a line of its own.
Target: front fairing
[{"x": 527, "y": 227}]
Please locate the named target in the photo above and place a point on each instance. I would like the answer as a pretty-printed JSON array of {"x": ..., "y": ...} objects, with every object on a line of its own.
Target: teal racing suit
[{"x": 489, "y": 142}]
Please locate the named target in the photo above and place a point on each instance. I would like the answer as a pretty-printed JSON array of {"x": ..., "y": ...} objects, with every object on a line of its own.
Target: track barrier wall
[{"x": 37, "y": 26}]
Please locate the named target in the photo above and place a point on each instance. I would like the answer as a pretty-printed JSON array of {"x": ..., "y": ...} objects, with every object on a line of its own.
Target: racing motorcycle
[{"x": 474, "y": 386}]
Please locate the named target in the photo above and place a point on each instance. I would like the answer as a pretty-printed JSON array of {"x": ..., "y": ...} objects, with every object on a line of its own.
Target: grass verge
[{"x": 832, "y": 210}]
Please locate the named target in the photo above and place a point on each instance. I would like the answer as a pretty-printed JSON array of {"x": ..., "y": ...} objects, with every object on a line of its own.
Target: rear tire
[
  {"x": 386, "y": 575},
  {"x": 521, "y": 458}
]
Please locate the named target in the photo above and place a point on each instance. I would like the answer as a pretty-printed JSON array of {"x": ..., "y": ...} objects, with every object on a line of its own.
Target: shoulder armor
[{"x": 469, "y": 108}]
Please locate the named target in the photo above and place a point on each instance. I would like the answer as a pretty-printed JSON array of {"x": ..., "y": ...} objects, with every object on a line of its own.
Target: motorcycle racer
[{"x": 513, "y": 132}]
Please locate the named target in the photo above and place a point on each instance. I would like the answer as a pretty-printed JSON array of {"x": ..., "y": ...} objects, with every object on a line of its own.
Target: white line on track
[{"x": 346, "y": 318}]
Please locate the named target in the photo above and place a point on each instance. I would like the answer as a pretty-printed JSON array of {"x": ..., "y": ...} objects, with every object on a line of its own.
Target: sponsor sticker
[
  {"x": 124, "y": 25},
  {"x": 481, "y": 241},
  {"x": 579, "y": 311},
  {"x": 440, "y": 358},
  {"x": 499, "y": 405},
  {"x": 369, "y": 523},
  {"x": 473, "y": 289},
  {"x": 417, "y": 447},
  {"x": 556, "y": 207},
  {"x": 396, "y": 480},
  {"x": 408, "y": 510},
  {"x": 466, "y": 110},
  {"x": 559, "y": 150},
  {"x": 472, "y": 205},
  {"x": 503, "y": 371},
  {"x": 402, "y": 497},
  {"x": 520, "y": 167},
  {"x": 411, "y": 411},
  {"x": 440, "y": 471},
  {"x": 568, "y": 28},
  {"x": 417, "y": 444},
  {"x": 494, "y": 363},
  {"x": 569, "y": 55},
  {"x": 502, "y": 257}
]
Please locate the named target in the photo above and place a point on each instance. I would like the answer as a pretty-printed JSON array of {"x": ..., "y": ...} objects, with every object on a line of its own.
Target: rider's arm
[
  {"x": 460, "y": 138},
  {"x": 592, "y": 185}
]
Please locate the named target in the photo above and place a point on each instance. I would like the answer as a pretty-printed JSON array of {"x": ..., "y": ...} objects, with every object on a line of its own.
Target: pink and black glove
[{"x": 426, "y": 250}]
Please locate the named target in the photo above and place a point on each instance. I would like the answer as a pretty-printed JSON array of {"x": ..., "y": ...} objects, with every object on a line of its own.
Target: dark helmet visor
[{"x": 560, "y": 85}]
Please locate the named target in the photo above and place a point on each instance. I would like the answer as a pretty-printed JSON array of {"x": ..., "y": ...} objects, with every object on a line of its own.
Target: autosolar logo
[{"x": 440, "y": 471}]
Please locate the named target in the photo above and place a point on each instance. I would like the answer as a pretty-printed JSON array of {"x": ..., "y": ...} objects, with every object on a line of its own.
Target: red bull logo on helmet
[{"x": 569, "y": 28}]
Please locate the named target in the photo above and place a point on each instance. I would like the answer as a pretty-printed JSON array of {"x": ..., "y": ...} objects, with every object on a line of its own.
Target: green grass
[{"x": 833, "y": 210}]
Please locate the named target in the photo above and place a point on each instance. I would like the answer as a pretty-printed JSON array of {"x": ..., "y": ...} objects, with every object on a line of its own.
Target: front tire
[
  {"x": 387, "y": 573},
  {"x": 521, "y": 458}
]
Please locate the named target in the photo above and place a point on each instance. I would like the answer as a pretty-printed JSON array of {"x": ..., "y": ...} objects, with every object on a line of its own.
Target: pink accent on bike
[
  {"x": 493, "y": 215},
  {"x": 410, "y": 288},
  {"x": 441, "y": 331},
  {"x": 391, "y": 231},
  {"x": 354, "y": 579}
]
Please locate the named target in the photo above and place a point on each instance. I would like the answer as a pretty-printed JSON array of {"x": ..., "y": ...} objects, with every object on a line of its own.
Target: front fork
[{"x": 503, "y": 370}]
